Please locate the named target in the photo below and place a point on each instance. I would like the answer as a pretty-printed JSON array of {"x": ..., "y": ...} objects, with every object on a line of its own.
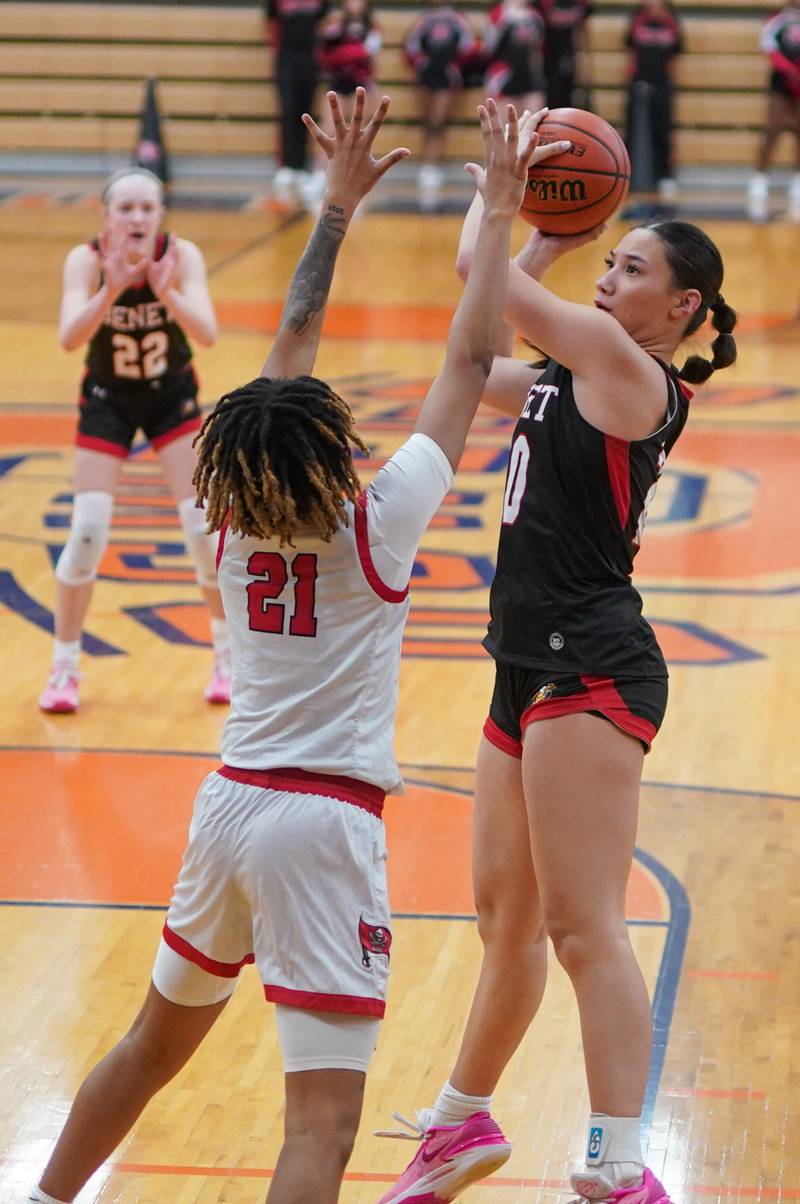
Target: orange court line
[
  {"x": 244, "y": 1172},
  {"x": 360, "y": 1177},
  {"x": 423, "y": 323}
]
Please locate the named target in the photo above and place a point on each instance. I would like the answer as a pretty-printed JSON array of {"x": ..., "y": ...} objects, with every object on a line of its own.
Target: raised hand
[
  {"x": 352, "y": 169},
  {"x": 118, "y": 272},
  {"x": 509, "y": 152},
  {"x": 161, "y": 272}
]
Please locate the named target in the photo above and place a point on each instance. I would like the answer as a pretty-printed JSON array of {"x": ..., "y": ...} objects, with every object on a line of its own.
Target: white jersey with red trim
[{"x": 316, "y": 629}]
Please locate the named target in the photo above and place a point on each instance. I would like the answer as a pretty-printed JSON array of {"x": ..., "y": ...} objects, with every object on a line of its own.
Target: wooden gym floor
[{"x": 95, "y": 806}]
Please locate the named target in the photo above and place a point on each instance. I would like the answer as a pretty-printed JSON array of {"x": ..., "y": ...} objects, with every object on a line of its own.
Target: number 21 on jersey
[{"x": 272, "y": 572}]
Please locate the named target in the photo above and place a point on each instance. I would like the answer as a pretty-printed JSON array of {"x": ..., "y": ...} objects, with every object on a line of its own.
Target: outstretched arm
[
  {"x": 453, "y": 398},
  {"x": 352, "y": 173}
]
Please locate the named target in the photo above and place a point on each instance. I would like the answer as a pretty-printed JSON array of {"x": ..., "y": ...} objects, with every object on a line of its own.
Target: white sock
[
  {"x": 38, "y": 1196},
  {"x": 794, "y": 185},
  {"x": 452, "y": 1106},
  {"x": 220, "y": 638},
  {"x": 614, "y": 1148},
  {"x": 66, "y": 653}
]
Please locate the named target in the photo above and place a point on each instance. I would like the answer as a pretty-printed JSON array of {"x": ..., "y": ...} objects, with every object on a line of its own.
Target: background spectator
[
  {"x": 565, "y": 55},
  {"x": 780, "y": 40},
  {"x": 436, "y": 47},
  {"x": 513, "y": 42},
  {"x": 293, "y": 34},
  {"x": 654, "y": 38}
]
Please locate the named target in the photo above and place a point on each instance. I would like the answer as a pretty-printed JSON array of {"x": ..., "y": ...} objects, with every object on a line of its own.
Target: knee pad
[
  {"x": 312, "y": 1040},
  {"x": 201, "y": 546},
  {"x": 87, "y": 539}
]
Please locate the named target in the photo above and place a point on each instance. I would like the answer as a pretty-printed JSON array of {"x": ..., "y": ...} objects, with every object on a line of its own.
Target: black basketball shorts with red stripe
[
  {"x": 524, "y": 695},
  {"x": 110, "y": 414}
]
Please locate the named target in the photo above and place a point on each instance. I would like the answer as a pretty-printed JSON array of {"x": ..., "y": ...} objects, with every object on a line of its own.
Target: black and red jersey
[
  {"x": 562, "y": 19},
  {"x": 515, "y": 40},
  {"x": 780, "y": 39},
  {"x": 294, "y": 24},
  {"x": 138, "y": 343},
  {"x": 654, "y": 38},
  {"x": 347, "y": 49},
  {"x": 440, "y": 37},
  {"x": 574, "y": 510}
]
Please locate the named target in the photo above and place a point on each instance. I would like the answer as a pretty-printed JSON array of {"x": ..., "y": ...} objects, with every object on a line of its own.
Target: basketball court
[{"x": 95, "y": 805}]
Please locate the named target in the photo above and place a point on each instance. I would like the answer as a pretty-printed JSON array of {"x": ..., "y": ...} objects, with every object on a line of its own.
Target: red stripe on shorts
[
  {"x": 317, "y": 1001},
  {"x": 191, "y": 424},
  {"x": 500, "y": 739},
  {"x": 301, "y": 781},
  {"x": 600, "y": 694},
  {"x": 221, "y": 969},
  {"x": 92, "y": 443}
]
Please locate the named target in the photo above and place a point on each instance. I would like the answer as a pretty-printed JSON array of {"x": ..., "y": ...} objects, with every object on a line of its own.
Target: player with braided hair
[
  {"x": 272, "y": 454},
  {"x": 580, "y": 686},
  {"x": 285, "y": 865}
]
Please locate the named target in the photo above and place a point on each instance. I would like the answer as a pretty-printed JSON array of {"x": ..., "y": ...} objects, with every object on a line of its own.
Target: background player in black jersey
[
  {"x": 132, "y": 295},
  {"x": 565, "y": 52},
  {"x": 654, "y": 38},
  {"x": 780, "y": 41},
  {"x": 581, "y": 686},
  {"x": 513, "y": 41},
  {"x": 436, "y": 47}
]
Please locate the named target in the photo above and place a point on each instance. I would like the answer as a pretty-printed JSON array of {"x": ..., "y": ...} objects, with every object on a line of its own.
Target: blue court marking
[
  {"x": 13, "y": 596},
  {"x": 669, "y": 974}
]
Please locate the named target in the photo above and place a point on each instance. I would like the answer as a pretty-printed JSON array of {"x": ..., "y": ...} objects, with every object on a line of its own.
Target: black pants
[
  {"x": 659, "y": 96},
  {"x": 296, "y": 79},
  {"x": 559, "y": 70}
]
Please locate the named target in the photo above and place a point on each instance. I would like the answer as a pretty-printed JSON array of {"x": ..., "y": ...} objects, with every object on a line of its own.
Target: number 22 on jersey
[{"x": 272, "y": 572}]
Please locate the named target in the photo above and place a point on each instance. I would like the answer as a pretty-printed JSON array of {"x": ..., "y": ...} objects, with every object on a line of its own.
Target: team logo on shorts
[
  {"x": 545, "y": 693},
  {"x": 374, "y": 938},
  {"x": 556, "y": 641}
]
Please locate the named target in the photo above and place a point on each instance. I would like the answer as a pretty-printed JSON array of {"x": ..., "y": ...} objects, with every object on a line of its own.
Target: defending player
[
  {"x": 285, "y": 863},
  {"x": 133, "y": 295}
]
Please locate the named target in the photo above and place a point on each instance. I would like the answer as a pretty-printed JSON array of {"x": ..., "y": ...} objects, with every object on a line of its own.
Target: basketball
[{"x": 579, "y": 189}]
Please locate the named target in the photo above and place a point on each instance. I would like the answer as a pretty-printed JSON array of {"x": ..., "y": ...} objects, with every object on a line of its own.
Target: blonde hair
[{"x": 122, "y": 174}]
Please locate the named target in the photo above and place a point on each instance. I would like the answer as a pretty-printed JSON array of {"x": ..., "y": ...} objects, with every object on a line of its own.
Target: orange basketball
[{"x": 579, "y": 189}]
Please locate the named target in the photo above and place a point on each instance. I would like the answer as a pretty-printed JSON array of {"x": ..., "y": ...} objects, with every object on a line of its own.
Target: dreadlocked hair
[{"x": 275, "y": 457}]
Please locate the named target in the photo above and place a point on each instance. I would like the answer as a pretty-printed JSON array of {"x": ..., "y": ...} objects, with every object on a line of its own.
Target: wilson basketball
[{"x": 582, "y": 187}]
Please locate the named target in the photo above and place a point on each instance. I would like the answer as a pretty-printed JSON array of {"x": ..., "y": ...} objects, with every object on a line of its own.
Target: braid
[
  {"x": 697, "y": 369},
  {"x": 276, "y": 456}
]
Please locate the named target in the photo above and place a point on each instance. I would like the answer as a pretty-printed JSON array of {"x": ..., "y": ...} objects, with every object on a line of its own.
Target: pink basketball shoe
[
  {"x": 594, "y": 1185},
  {"x": 60, "y": 695},
  {"x": 218, "y": 689},
  {"x": 449, "y": 1159}
]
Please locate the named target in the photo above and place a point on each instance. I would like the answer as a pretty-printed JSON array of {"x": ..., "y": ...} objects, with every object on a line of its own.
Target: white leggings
[{"x": 308, "y": 1040}]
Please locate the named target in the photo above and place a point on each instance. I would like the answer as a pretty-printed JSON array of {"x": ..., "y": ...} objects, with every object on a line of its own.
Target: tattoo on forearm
[{"x": 308, "y": 292}]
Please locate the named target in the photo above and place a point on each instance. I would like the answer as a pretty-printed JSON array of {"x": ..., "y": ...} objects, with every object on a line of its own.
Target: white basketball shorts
[{"x": 286, "y": 869}]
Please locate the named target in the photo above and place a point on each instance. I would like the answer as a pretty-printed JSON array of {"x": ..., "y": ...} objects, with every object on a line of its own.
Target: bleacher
[{"x": 71, "y": 77}]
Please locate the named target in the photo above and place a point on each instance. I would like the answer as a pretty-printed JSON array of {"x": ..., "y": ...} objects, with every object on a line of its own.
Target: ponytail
[{"x": 697, "y": 369}]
